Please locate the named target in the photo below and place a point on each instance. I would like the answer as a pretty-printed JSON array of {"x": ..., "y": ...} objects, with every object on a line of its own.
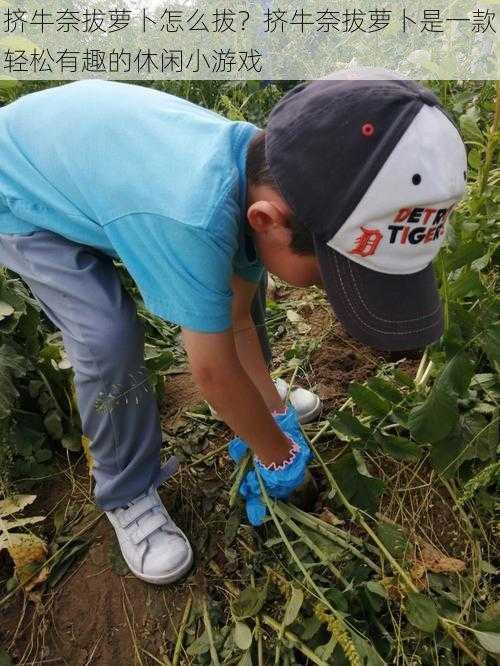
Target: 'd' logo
[{"x": 367, "y": 243}]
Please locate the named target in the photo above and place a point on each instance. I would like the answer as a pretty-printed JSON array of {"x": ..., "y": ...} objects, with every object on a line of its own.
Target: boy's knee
[
  {"x": 113, "y": 343},
  {"x": 121, "y": 341}
]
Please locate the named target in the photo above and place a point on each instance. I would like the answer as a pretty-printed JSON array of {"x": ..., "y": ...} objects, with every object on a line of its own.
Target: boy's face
[{"x": 267, "y": 216}]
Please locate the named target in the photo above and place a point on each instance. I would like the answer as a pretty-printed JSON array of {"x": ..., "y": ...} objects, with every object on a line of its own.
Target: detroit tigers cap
[{"x": 373, "y": 166}]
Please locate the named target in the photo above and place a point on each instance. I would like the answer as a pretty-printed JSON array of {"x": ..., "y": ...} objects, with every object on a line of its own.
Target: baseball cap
[{"x": 373, "y": 166}]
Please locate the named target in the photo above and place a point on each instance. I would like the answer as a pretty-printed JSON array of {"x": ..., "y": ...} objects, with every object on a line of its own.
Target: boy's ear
[{"x": 263, "y": 216}]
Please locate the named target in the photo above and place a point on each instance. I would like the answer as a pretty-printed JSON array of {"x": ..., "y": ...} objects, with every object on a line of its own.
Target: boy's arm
[
  {"x": 225, "y": 384},
  {"x": 248, "y": 345}
]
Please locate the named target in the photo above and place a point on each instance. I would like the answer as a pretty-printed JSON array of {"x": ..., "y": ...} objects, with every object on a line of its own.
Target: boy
[{"x": 350, "y": 187}]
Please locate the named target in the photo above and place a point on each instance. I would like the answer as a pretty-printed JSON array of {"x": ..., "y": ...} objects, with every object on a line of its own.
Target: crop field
[{"x": 388, "y": 555}]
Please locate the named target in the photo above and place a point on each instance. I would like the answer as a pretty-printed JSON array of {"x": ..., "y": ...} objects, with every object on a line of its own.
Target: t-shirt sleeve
[{"x": 183, "y": 272}]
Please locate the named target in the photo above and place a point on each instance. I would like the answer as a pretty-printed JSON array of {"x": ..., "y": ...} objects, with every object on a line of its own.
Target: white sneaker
[
  {"x": 153, "y": 547},
  {"x": 306, "y": 403}
]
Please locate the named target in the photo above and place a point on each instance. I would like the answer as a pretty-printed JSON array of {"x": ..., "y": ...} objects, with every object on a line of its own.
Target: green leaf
[
  {"x": 347, "y": 426},
  {"x": 53, "y": 425},
  {"x": 5, "y": 660},
  {"x": 12, "y": 365},
  {"x": 249, "y": 603},
  {"x": 200, "y": 645},
  {"x": 487, "y": 632},
  {"x": 9, "y": 295},
  {"x": 467, "y": 284},
  {"x": 8, "y": 83},
  {"x": 377, "y": 588},
  {"x": 246, "y": 659},
  {"x": 474, "y": 158},
  {"x": 6, "y": 310},
  {"x": 325, "y": 651},
  {"x": 159, "y": 361},
  {"x": 483, "y": 438},
  {"x": 385, "y": 389},
  {"x": 490, "y": 342},
  {"x": 432, "y": 420},
  {"x": 403, "y": 378},
  {"x": 489, "y": 641},
  {"x": 367, "y": 400},
  {"x": 293, "y": 606},
  {"x": 447, "y": 454},
  {"x": 232, "y": 526},
  {"x": 457, "y": 374},
  {"x": 465, "y": 254},
  {"x": 394, "y": 539},
  {"x": 72, "y": 442},
  {"x": 309, "y": 627},
  {"x": 64, "y": 559},
  {"x": 242, "y": 636},
  {"x": 421, "y": 612},
  {"x": 362, "y": 491},
  {"x": 399, "y": 448},
  {"x": 337, "y": 599},
  {"x": 368, "y": 654},
  {"x": 435, "y": 418},
  {"x": 470, "y": 128}
]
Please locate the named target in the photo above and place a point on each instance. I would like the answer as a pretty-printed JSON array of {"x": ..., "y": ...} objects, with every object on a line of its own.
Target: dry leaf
[
  {"x": 15, "y": 503},
  {"x": 303, "y": 328},
  {"x": 328, "y": 517},
  {"x": 27, "y": 552},
  {"x": 20, "y": 522},
  {"x": 86, "y": 442},
  {"x": 293, "y": 316},
  {"x": 436, "y": 562},
  {"x": 271, "y": 288},
  {"x": 390, "y": 584},
  {"x": 430, "y": 559}
]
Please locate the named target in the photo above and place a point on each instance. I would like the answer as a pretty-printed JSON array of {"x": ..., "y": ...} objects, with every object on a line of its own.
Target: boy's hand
[{"x": 280, "y": 482}]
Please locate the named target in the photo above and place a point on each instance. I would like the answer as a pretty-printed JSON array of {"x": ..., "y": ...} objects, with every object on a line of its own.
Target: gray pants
[{"x": 79, "y": 290}]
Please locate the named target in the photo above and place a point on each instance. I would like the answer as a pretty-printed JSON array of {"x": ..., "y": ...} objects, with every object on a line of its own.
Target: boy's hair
[{"x": 259, "y": 173}]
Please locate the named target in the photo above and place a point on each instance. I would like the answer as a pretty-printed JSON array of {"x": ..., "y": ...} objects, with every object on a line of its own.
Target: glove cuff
[{"x": 273, "y": 467}]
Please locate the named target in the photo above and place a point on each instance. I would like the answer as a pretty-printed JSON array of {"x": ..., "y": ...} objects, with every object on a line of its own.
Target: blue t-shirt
[{"x": 141, "y": 175}]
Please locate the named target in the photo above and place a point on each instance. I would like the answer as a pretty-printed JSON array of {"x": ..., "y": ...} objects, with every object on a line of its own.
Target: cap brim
[{"x": 387, "y": 312}]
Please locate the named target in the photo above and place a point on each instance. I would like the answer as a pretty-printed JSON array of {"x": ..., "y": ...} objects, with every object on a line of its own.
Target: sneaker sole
[{"x": 171, "y": 577}]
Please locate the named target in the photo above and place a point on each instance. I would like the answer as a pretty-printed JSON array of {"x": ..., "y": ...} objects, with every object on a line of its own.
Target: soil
[{"x": 97, "y": 615}]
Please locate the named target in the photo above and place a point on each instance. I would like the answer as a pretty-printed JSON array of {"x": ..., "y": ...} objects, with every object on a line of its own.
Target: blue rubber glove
[
  {"x": 279, "y": 483},
  {"x": 288, "y": 423}
]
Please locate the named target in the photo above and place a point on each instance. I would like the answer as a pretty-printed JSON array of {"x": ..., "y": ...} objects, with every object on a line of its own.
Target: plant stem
[
  {"x": 271, "y": 622},
  {"x": 311, "y": 545},
  {"x": 290, "y": 384},
  {"x": 207, "y": 456},
  {"x": 298, "y": 644},
  {"x": 182, "y": 629},
  {"x": 323, "y": 529},
  {"x": 260, "y": 647},
  {"x": 425, "y": 376},
  {"x": 288, "y": 545},
  {"x": 356, "y": 515},
  {"x": 208, "y": 626},
  {"x": 233, "y": 493},
  {"x": 421, "y": 367}
]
